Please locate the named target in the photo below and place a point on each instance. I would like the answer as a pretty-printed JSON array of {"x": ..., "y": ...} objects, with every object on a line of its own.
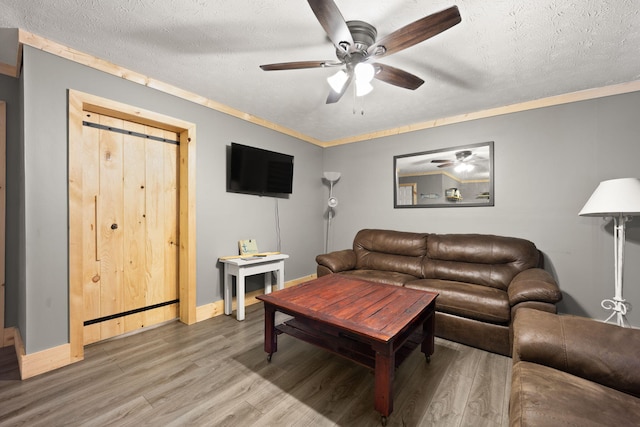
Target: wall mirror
[{"x": 456, "y": 176}]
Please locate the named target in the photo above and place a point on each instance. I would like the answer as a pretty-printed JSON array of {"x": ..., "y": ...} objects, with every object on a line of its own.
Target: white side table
[{"x": 243, "y": 267}]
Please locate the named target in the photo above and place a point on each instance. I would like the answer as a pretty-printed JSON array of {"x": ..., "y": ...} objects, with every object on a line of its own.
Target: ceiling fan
[
  {"x": 357, "y": 49},
  {"x": 463, "y": 157}
]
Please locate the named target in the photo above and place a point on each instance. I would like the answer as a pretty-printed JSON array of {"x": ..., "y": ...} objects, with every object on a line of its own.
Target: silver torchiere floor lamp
[
  {"x": 618, "y": 199},
  {"x": 332, "y": 177}
]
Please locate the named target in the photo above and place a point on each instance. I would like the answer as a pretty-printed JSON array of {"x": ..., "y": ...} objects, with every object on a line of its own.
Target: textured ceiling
[{"x": 503, "y": 52}]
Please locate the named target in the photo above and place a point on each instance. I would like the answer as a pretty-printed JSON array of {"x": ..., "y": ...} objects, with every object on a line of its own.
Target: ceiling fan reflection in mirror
[
  {"x": 463, "y": 162},
  {"x": 357, "y": 49}
]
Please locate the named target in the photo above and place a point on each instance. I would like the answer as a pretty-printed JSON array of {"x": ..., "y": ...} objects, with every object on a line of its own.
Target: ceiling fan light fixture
[
  {"x": 364, "y": 72},
  {"x": 363, "y": 88},
  {"x": 338, "y": 80},
  {"x": 464, "y": 167}
]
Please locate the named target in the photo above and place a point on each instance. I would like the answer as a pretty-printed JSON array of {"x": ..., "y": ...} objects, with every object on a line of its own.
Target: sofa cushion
[
  {"x": 476, "y": 258},
  {"x": 378, "y": 276},
  {"x": 467, "y": 300},
  {"x": 543, "y": 396},
  {"x": 388, "y": 250}
]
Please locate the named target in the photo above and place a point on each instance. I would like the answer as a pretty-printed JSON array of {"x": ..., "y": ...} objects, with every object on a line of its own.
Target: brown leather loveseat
[
  {"x": 573, "y": 371},
  {"x": 482, "y": 280}
]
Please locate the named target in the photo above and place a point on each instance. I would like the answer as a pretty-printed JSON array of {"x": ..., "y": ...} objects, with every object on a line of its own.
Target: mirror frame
[{"x": 450, "y": 152}]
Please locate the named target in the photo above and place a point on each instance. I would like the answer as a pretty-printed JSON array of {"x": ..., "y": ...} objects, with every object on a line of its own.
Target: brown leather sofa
[
  {"x": 573, "y": 371},
  {"x": 482, "y": 280}
]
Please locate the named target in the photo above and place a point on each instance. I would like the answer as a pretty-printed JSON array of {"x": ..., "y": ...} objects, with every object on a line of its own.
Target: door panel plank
[
  {"x": 90, "y": 266},
  {"x": 135, "y": 282},
  {"x": 155, "y": 246},
  {"x": 110, "y": 228},
  {"x": 171, "y": 177}
]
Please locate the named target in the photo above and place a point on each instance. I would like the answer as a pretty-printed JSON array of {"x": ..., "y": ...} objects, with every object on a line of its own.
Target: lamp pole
[
  {"x": 618, "y": 304},
  {"x": 332, "y": 177},
  {"x": 330, "y": 216}
]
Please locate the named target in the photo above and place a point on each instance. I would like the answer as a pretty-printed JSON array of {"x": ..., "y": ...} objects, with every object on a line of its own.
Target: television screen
[{"x": 257, "y": 171}]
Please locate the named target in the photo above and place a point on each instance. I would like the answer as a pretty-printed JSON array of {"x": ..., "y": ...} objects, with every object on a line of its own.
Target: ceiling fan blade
[
  {"x": 299, "y": 65},
  {"x": 416, "y": 32},
  {"x": 335, "y": 96},
  {"x": 333, "y": 23},
  {"x": 397, "y": 77},
  {"x": 440, "y": 161},
  {"x": 445, "y": 165}
]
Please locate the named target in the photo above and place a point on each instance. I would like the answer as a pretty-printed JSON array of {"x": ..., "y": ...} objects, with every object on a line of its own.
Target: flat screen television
[{"x": 257, "y": 171}]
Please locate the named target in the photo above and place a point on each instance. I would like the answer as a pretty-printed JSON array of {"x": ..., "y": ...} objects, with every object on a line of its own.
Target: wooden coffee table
[{"x": 373, "y": 324}]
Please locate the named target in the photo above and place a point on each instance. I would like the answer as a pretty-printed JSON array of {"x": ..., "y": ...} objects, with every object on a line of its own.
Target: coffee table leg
[
  {"x": 384, "y": 371},
  {"x": 270, "y": 337},
  {"x": 428, "y": 340}
]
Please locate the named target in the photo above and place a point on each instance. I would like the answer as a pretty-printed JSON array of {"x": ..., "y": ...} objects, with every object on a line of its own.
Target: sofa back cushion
[
  {"x": 482, "y": 259},
  {"x": 389, "y": 250}
]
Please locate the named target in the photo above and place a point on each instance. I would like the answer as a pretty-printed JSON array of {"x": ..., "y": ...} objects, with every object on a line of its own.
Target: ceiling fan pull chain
[{"x": 358, "y": 103}]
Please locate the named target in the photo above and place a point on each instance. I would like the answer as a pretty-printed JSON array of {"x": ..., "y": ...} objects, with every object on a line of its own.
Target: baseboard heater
[{"x": 126, "y": 313}]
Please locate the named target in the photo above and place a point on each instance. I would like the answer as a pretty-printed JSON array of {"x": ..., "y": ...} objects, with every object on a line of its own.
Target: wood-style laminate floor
[{"x": 215, "y": 373}]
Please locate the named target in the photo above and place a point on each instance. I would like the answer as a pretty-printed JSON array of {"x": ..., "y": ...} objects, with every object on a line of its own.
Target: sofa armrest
[
  {"x": 338, "y": 261},
  {"x": 534, "y": 284},
  {"x": 597, "y": 351}
]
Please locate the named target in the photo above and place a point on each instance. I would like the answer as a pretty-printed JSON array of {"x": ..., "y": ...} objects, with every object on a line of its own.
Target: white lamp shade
[
  {"x": 614, "y": 197},
  {"x": 332, "y": 176},
  {"x": 364, "y": 72},
  {"x": 363, "y": 88},
  {"x": 338, "y": 80}
]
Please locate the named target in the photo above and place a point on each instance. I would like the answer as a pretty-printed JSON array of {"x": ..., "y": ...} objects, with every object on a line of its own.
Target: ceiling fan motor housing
[
  {"x": 461, "y": 155},
  {"x": 364, "y": 35}
]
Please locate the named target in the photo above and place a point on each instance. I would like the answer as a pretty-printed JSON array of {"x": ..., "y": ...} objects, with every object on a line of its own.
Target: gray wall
[
  {"x": 221, "y": 218},
  {"x": 10, "y": 90},
  {"x": 547, "y": 164}
]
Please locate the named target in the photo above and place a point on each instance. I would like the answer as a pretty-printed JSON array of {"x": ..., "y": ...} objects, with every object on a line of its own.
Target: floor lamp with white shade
[{"x": 618, "y": 199}]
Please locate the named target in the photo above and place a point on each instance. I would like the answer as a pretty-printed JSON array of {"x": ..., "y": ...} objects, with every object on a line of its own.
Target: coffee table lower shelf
[{"x": 344, "y": 345}]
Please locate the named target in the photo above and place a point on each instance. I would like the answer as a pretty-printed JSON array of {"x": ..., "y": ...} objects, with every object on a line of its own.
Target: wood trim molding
[
  {"x": 79, "y": 102},
  {"x": 49, "y": 46},
  {"x": 8, "y": 70},
  {"x": 8, "y": 337},
  {"x": 583, "y": 95},
  {"x": 42, "y": 361},
  {"x": 214, "y": 309},
  {"x": 62, "y": 51},
  {"x": 10, "y": 52}
]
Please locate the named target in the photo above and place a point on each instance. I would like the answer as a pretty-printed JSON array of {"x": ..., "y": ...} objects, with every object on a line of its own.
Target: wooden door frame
[
  {"x": 414, "y": 191},
  {"x": 80, "y": 102}
]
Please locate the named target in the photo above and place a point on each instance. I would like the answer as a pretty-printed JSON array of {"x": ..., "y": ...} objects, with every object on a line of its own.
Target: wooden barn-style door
[
  {"x": 132, "y": 252},
  {"x": 130, "y": 200}
]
